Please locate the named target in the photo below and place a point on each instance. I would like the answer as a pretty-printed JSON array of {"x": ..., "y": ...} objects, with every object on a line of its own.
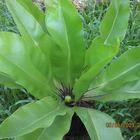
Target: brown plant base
[{"x": 77, "y": 130}]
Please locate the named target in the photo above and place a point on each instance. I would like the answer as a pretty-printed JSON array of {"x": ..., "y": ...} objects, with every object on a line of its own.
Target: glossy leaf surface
[
  {"x": 96, "y": 124},
  {"x": 39, "y": 114},
  {"x": 104, "y": 47},
  {"x": 129, "y": 90},
  {"x": 16, "y": 62},
  {"x": 49, "y": 58},
  {"x": 34, "y": 11},
  {"x": 32, "y": 33},
  {"x": 65, "y": 28},
  {"x": 114, "y": 24},
  {"x": 57, "y": 130},
  {"x": 95, "y": 66},
  {"x": 121, "y": 78}
]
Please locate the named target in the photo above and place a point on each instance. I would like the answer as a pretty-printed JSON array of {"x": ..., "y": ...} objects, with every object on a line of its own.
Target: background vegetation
[{"x": 91, "y": 15}]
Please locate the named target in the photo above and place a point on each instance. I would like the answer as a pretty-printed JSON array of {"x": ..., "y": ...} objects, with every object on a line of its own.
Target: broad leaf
[
  {"x": 96, "y": 124},
  {"x": 59, "y": 128},
  {"x": 53, "y": 132},
  {"x": 32, "y": 33},
  {"x": 32, "y": 116},
  {"x": 129, "y": 90},
  {"x": 104, "y": 47},
  {"x": 64, "y": 25},
  {"x": 34, "y": 11},
  {"x": 32, "y": 136},
  {"x": 102, "y": 55},
  {"x": 115, "y": 22},
  {"x": 16, "y": 62},
  {"x": 119, "y": 79}
]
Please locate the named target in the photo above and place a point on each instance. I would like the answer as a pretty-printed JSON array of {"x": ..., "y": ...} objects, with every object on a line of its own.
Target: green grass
[
  {"x": 126, "y": 111},
  {"x": 6, "y": 21},
  {"x": 91, "y": 18}
]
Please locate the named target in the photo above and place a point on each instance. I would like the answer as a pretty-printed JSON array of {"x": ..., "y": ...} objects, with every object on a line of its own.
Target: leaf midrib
[
  {"x": 33, "y": 40},
  {"x": 94, "y": 126},
  {"x": 117, "y": 14},
  {"x": 119, "y": 75},
  {"x": 26, "y": 73},
  {"x": 112, "y": 94},
  {"x": 37, "y": 120},
  {"x": 69, "y": 50}
]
